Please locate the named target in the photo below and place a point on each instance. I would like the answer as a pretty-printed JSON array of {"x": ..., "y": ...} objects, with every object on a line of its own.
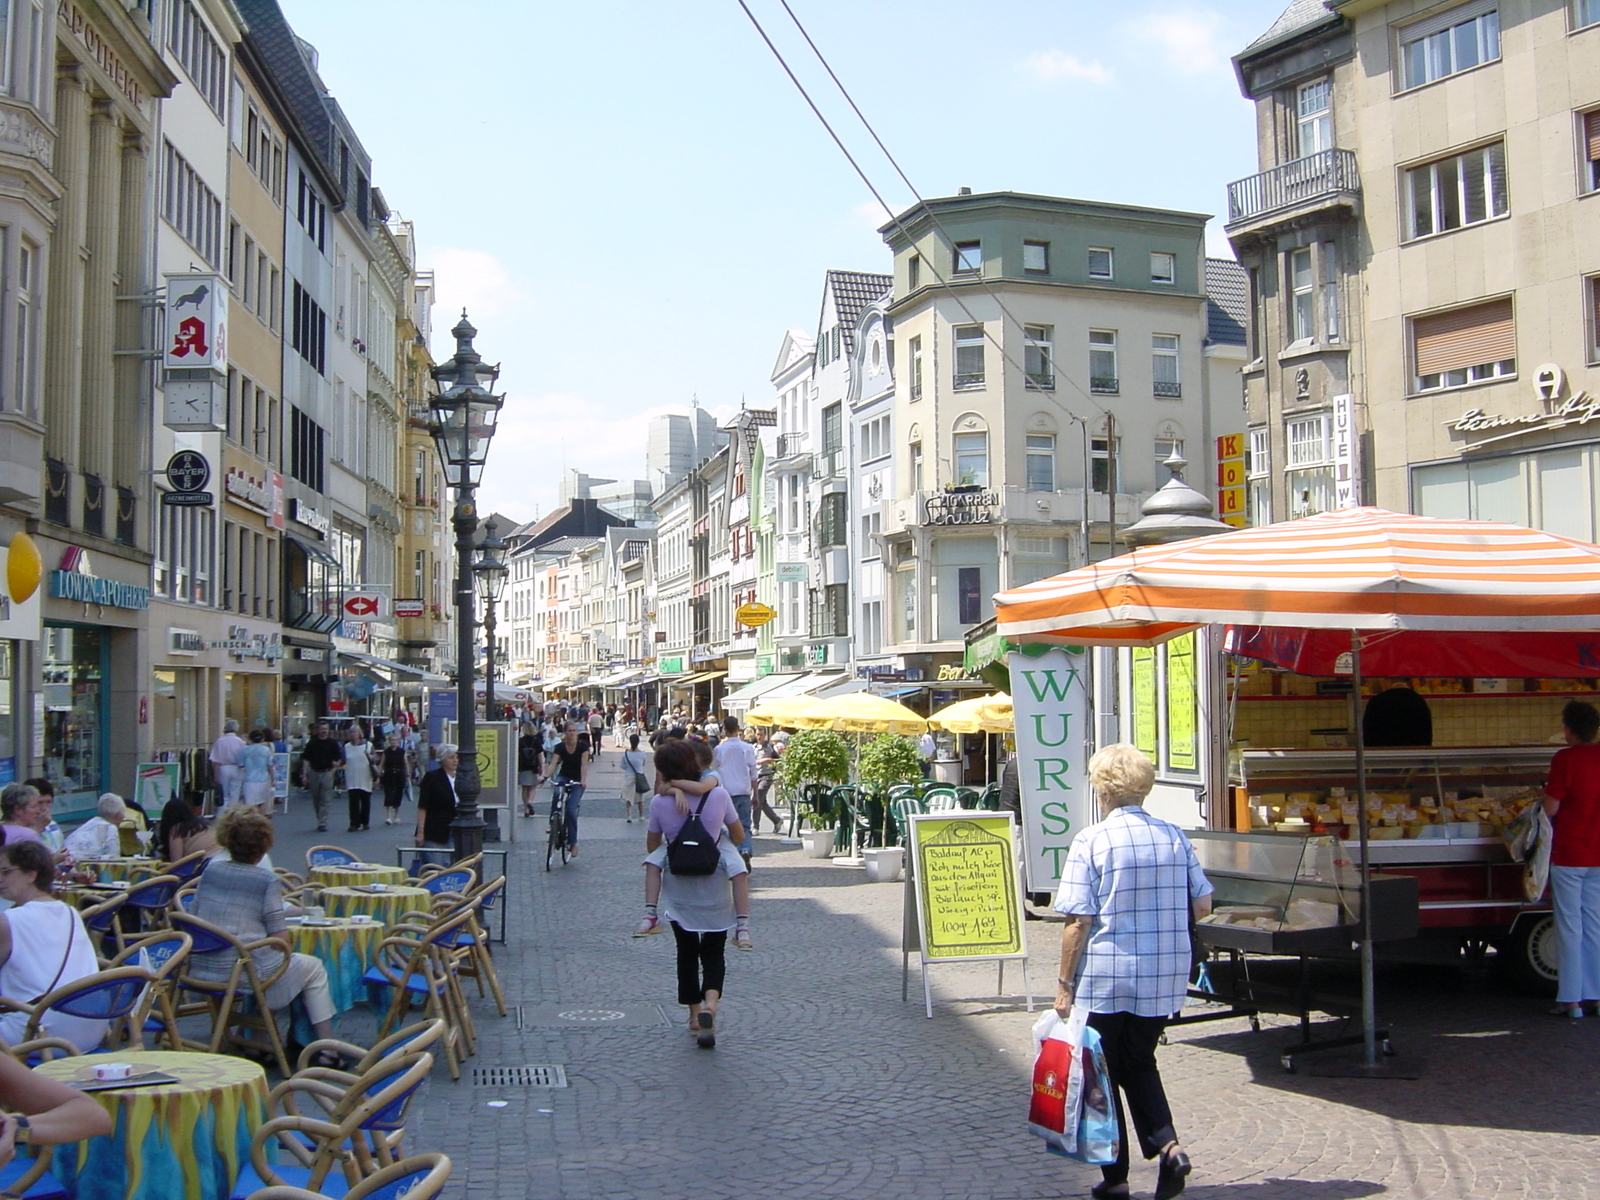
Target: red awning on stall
[{"x": 1415, "y": 653}]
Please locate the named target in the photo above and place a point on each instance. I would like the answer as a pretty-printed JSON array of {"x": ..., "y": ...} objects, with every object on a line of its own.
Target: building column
[
  {"x": 63, "y": 364},
  {"x": 132, "y": 373},
  {"x": 100, "y": 292}
]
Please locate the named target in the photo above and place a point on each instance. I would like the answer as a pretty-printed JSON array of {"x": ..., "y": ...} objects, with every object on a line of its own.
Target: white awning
[
  {"x": 396, "y": 669},
  {"x": 743, "y": 696}
]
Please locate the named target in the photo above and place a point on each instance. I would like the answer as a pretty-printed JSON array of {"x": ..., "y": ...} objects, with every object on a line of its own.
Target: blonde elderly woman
[{"x": 1128, "y": 889}]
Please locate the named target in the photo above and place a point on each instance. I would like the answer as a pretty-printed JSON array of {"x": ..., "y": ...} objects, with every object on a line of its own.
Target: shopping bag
[
  {"x": 1536, "y": 868},
  {"x": 1072, "y": 1106}
]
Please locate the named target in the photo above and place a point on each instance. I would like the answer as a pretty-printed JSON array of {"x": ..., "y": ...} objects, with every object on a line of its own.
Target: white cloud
[
  {"x": 471, "y": 279},
  {"x": 1190, "y": 39},
  {"x": 1047, "y": 66}
]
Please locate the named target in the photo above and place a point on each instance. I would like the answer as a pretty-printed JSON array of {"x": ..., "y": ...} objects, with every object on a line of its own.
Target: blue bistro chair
[
  {"x": 107, "y": 995},
  {"x": 238, "y": 1002},
  {"x": 420, "y": 1177},
  {"x": 329, "y": 856}
]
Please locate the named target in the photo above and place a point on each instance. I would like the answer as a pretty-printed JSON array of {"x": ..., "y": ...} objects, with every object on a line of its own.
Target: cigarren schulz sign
[{"x": 961, "y": 508}]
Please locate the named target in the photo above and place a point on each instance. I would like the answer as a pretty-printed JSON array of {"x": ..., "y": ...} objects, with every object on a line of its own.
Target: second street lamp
[
  {"x": 492, "y": 573},
  {"x": 463, "y": 415}
]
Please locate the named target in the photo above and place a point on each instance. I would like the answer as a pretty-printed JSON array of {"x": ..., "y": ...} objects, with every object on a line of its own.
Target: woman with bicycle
[{"x": 568, "y": 761}]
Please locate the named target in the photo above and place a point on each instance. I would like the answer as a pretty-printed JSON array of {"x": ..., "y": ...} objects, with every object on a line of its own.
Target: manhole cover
[
  {"x": 592, "y": 1015},
  {"x": 588, "y": 1016},
  {"x": 541, "y": 1075}
]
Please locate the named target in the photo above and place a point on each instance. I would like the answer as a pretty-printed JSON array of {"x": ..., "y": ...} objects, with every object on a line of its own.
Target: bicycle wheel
[{"x": 558, "y": 833}]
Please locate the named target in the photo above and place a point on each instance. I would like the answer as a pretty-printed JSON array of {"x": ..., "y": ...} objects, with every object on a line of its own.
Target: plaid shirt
[{"x": 1135, "y": 874}]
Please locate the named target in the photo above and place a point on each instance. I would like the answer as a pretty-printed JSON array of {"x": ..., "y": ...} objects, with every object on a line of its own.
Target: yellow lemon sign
[
  {"x": 754, "y": 614},
  {"x": 24, "y": 568}
]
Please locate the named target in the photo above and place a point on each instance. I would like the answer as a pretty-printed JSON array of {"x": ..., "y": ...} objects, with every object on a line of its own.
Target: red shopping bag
[{"x": 1047, "y": 1112}]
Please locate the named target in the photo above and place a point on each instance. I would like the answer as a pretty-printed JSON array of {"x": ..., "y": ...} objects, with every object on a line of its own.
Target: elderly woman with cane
[{"x": 1128, "y": 889}]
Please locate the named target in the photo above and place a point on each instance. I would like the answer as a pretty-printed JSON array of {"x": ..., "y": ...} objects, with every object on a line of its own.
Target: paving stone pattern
[{"x": 824, "y": 1084}]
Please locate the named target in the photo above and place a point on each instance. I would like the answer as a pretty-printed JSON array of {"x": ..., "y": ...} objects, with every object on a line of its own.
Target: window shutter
[
  {"x": 1448, "y": 19},
  {"x": 1464, "y": 337},
  {"x": 1591, "y": 131}
]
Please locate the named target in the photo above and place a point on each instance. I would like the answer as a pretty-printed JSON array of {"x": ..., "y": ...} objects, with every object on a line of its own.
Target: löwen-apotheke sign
[{"x": 960, "y": 508}]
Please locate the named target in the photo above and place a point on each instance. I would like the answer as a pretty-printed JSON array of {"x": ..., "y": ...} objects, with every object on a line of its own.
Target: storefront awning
[
  {"x": 398, "y": 671},
  {"x": 697, "y": 677},
  {"x": 618, "y": 679},
  {"x": 743, "y": 695}
]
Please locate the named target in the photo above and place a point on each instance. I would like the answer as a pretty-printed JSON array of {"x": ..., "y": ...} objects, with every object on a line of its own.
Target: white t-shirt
[
  {"x": 49, "y": 948},
  {"x": 735, "y": 763},
  {"x": 358, "y": 773}
]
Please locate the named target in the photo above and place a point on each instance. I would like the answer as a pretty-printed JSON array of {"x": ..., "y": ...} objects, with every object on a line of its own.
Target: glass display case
[{"x": 1294, "y": 895}]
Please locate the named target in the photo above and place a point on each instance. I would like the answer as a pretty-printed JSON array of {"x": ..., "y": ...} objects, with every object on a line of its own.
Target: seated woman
[
  {"x": 245, "y": 898},
  {"x": 181, "y": 833},
  {"x": 43, "y": 945}
]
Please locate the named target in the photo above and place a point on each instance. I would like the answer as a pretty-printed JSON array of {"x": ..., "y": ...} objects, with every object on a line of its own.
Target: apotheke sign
[{"x": 1560, "y": 411}]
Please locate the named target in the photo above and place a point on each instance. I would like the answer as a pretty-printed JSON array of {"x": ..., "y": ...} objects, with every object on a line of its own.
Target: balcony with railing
[
  {"x": 1168, "y": 390},
  {"x": 1325, "y": 181},
  {"x": 1041, "y": 381},
  {"x": 1103, "y": 385}
]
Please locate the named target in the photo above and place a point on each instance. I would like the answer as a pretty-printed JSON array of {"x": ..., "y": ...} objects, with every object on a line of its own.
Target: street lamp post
[
  {"x": 463, "y": 414},
  {"x": 492, "y": 573}
]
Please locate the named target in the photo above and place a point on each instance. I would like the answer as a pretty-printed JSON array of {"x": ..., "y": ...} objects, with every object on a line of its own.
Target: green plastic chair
[
  {"x": 900, "y": 809},
  {"x": 989, "y": 798},
  {"x": 941, "y": 799}
]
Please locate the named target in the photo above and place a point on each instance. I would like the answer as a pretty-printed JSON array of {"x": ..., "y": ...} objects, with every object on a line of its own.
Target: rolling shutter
[
  {"x": 1591, "y": 135},
  {"x": 1464, "y": 337}
]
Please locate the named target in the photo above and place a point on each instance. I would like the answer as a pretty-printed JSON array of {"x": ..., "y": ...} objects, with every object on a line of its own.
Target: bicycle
[{"x": 557, "y": 842}]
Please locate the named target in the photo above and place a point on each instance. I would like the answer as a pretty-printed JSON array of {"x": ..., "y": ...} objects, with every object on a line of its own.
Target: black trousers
[
  {"x": 702, "y": 963},
  {"x": 393, "y": 793},
  {"x": 1129, "y": 1042},
  {"x": 360, "y": 808}
]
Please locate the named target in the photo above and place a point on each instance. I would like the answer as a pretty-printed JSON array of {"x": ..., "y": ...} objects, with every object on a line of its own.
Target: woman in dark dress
[{"x": 393, "y": 772}]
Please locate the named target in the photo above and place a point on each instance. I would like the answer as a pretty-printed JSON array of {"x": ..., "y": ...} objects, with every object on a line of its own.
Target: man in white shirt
[
  {"x": 735, "y": 764},
  {"x": 927, "y": 747},
  {"x": 101, "y": 835},
  {"x": 224, "y": 757}
]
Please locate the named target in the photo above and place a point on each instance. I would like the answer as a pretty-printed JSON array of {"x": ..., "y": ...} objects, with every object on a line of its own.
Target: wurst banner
[{"x": 1050, "y": 700}]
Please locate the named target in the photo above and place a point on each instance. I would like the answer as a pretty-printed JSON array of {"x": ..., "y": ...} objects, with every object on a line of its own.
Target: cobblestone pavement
[{"x": 824, "y": 1084}]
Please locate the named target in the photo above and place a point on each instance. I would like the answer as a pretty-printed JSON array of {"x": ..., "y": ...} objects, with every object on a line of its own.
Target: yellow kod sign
[{"x": 754, "y": 615}]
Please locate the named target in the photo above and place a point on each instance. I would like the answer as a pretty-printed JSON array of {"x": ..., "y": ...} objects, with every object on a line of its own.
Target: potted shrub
[
  {"x": 813, "y": 756},
  {"x": 885, "y": 761}
]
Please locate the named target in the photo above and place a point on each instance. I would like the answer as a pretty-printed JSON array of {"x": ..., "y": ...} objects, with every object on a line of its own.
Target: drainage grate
[{"x": 540, "y": 1075}]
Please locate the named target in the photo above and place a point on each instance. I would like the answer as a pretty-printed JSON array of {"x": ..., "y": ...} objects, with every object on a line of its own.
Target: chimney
[{"x": 966, "y": 191}]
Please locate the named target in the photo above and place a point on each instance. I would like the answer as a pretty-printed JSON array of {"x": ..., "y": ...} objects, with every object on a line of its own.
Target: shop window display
[{"x": 74, "y": 706}]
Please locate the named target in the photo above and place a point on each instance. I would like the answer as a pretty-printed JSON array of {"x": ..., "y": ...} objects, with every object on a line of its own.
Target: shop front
[
  {"x": 209, "y": 667},
  {"x": 20, "y": 629}
]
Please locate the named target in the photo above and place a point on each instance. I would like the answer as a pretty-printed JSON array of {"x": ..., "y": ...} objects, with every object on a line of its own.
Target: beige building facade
[{"x": 1423, "y": 243}]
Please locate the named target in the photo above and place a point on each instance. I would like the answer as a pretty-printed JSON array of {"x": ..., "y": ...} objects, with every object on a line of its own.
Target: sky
[{"x": 634, "y": 202}]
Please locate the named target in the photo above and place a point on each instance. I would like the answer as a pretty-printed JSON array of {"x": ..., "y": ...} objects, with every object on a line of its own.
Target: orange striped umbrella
[{"x": 1360, "y": 568}]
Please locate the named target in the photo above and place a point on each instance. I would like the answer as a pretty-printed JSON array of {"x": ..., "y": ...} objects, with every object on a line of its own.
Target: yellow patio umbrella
[
  {"x": 785, "y": 711},
  {"x": 980, "y": 714},
  {"x": 862, "y": 712}
]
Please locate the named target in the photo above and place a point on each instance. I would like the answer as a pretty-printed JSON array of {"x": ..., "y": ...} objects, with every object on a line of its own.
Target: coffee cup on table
[
  {"x": 316, "y": 913},
  {"x": 380, "y": 887},
  {"x": 110, "y": 1072}
]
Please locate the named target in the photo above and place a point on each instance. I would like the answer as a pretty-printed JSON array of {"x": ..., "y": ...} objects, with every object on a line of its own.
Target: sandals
[{"x": 1174, "y": 1174}]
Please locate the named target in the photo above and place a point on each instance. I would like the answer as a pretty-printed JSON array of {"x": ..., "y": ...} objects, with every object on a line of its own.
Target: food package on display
[{"x": 1311, "y": 914}]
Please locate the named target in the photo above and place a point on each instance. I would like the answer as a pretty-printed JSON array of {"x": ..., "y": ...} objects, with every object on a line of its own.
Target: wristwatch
[{"x": 24, "y": 1129}]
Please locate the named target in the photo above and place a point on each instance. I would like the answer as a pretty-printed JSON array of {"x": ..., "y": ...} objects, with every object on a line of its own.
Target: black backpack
[{"x": 693, "y": 851}]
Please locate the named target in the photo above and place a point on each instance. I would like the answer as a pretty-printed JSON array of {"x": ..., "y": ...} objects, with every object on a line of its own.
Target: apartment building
[
  {"x": 1425, "y": 260},
  {"x": 870, "y": 401},
  {"x": 1049, "y": 354}
]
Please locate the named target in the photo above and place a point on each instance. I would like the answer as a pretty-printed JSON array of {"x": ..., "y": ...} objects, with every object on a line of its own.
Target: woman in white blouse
[{"x": 43, "y": 945}]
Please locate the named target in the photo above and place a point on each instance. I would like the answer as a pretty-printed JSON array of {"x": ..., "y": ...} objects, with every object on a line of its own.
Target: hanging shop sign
[
  {"x": 1346, "y": 453},
  {"x": 1050, "y": 696},
  {"x": 755, "y": 614},
  {"x": 792, "y": 572},
  {"x": 409, "y": 608},
  {"x": 187, "y": 473},
  {"x": 364, "y": 606},
  {"x": 197, "y": 322},
  {"x": 1230, "y": 479},
  {"x": 960, "y": 508}
]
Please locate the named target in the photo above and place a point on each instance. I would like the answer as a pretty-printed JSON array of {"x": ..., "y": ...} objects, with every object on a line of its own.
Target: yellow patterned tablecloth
[
  {"x": 346, "y": 948},
  {"x": 109, "y": 869},
  {"x": 348, "y": 876},
  {"x": 389, "y": 906},
  {"x": 186, "y": 1139}
]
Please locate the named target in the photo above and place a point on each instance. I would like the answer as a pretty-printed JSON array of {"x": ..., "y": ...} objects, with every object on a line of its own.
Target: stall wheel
[
  {"x": 1388, "y": 1048},
  {"x": 1288, "y": 1063},
  {"x": 1255, "y": 1024}
]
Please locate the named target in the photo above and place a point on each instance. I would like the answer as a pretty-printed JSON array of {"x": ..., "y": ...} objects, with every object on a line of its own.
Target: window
[
  {"x": 1036, "y": 258},
  {"x": 1166, "y": 447},
  {"x": 1464, "y": 345},
  {"x": 870, "y": 636},
  {"x": 1585, "y": 12},
  {"x": 1465, "y": 189},
  {"x": 1038, "y": 356},
  {"x": 972, "y": 459},
  {"x": 915, "y": 347},
  {"x": 1591, "y": 144},
  {"x": 1041, "y": 451},
  {"x": 969, "y": 595},
  {"x": 200, "y": 53},
  {"x": 1102, "y": 468},
  {"x": 914, "y": 271},
  {"x": 833, "y": 428},
  {"x": 1302, "y": 321},
  {"x": 311, "y": 213},
  {"x": 1594, "y": 318},
  {"x": 871, "y": 527},
  {"x": 875, "y": 439},
  {"x": 1164, "y": 366},
  {"x": 969, "y": 356},
  {"x": 190, "y": 207},
  {"x": 835, "y": 610},
  {"x": 263, "y": 149},
  {"x": 1330, "y": 291},
  {"x": 968, "y": 258},
  {"x": 916, "y": 466},
  {"x": 1099, "y": 263},
  {"x": 1453, "y": 41},
  {"x": 309, "y": 329},
  {"x": 1309, "y": 478},
  {"x": 1314, "y": 116},
  {"x": 1103, "y": 361},
  {"x": 307, "y": 449},
  {"x": 25, "y": 394},
  {"x": 1163, "y": 267},
  {"x": 1258, "y": 477}
]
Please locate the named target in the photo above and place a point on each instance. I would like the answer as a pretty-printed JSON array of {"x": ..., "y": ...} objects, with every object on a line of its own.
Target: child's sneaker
[{"x": 647, "y": 926}]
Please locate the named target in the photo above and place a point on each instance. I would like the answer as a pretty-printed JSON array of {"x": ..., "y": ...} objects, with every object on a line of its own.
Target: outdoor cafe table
[
  {"x": 187, "y": 1139},
  {"x": 390, "y": 906},
  {"x": 345, "y": 947},
  {"x": 109, "y": 870},
  {"x": 349, "y": 874}
]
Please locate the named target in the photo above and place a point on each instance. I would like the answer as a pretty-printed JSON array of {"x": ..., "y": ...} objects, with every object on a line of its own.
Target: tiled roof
[
  {"x": 1227, "y": 302},
  {"x": 853, "y": 291},
  {"x": 1301, "y": 14},
  {"x": 280, "y": 51}
]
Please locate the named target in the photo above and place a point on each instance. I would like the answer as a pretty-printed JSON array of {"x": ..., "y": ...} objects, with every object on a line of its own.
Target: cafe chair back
[
  {"x": 420, "y": 1036},
  {"x": 459, "y": 881},
  {"x": 420, "y": 1177},
  {"x": 108, "y": 995},
  {"x": 101, "y": 922},
  {"x": 941, "y": 799},
  {"x": 471, "y": 945},
  {"x": 359, "y": 1134},
  {"x": 419, "y": 966},
  {"x": 150, "y": 899},
  {"x": 189, "y": 866},
  {"x": 37, "y": 1050},
  {"x": 427, "y": 870},
  {"x": 161, "y": 953},
  {"x": 30, "y": 1177},
  {"x": 236, "y": 1005},
  {"x": 329, "y": 856},
  {"x": 902, "y": 809}
]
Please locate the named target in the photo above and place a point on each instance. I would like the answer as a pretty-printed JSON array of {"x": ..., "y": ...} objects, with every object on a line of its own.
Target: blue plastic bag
[{"x": 1076, "y": 1116}]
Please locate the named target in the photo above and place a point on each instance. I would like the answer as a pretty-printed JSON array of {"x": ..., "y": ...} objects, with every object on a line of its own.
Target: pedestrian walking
[
  {"x": 700, "y": 908},
  {"x": 255, "y": 767},
  {"x": 636, "y": 771},
  {"x": 1129, "y": 888},
  {"x": 224, "y": 759},
  {"x": 360, "y": 777},
  {"x": 597, "y": 728},
  {"x": 766, "y": 773},
  {"x": 320, "y": 757},
  {"x": 530, "y": 758},
  {"x": 734, "y": 761},
  {"x": 394, "y": 772},
  {"x": 1572, "y": 802}
]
